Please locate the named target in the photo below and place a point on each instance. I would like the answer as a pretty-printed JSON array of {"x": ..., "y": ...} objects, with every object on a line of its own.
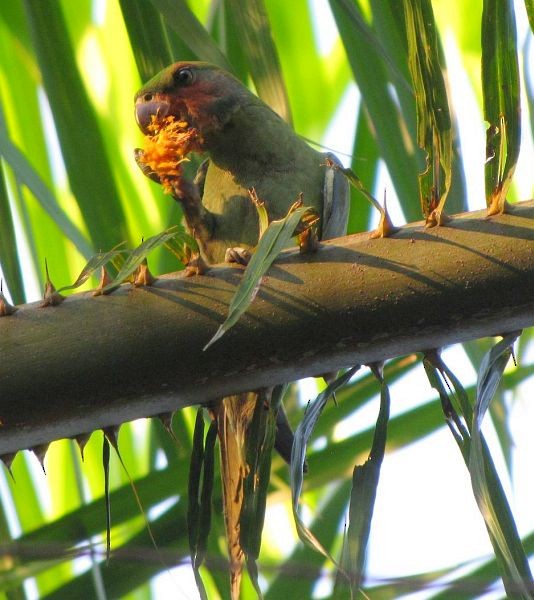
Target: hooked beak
[{"x": 146, "y": 108}]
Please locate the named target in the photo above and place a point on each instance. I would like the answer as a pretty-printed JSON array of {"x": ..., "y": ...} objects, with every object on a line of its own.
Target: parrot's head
[{"x": 198, "y": 93}]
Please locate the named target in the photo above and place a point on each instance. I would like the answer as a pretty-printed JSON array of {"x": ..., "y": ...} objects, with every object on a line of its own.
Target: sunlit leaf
[
  {"x": 27, "y": 175},
  {"x": 273, "y": 241},
  {"x": 501, "y": 94},
  {"x": 488, "y": 490},
  {"x": 138, "y": 255},
  {"x": 374, "y": 82},
  {"x": 182, "y": 20},
  {"x": 95, "y": 263},
  {"x": 199, "y": 507},
  {"x": 434, "y": 133},
  {"x": 487, "y": 487},
  {"x": 83, "y": 147},
  {"x": 253, "y": 23},
  {"x": 362, "y": 499},
  {"x": 298, "y": 458}
]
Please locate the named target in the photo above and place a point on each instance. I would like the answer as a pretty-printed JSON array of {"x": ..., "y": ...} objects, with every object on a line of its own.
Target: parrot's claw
[
  {"x": 147, "y": 171},
  {"x": 237, "y": 255}
]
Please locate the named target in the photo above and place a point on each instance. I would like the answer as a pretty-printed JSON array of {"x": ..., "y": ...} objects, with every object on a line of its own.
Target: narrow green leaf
[
  {"x": 374, "y": 82},
  {"x": 480, "y": 580},
  {"x": 253, "y": 23},
  {"x": 9, "y": 259},
  {"x": 487, "y": 487},
  {"x": 392, "y": 31},
  {"x": 365, "y": 164},
  {"x": 362, "y": 499},
  {"x": 105, "y": 465},
  {"x": 27, "y": 175},
  {"x": 362, "y": 29},
  {"x": 488, "y": 490},
  {"x": 122, "y": 577},
  {"x": 435, "y": 371},
  {"x": 360, "y": 392},
  {"x": 152, "y": 48},
  {"x": 207, "y": 490},
  {"x": 298, "y": 458},
  {"x": 259, "y": 448},
  {"x": 529, "y": 5},
  {"x": 182, "y": 20},
  {"x": 82, "y": 144},
  {"x": 87, "y": 521},
  {"x": 273, "y": 241},
  {"x": 304, "y": 560},
  {"x": 94, "y": 264},
  {"x": 182, "y": 245},
  {"x": 138, "y": 255},
  {"x": 490, "y": 374},
  {"x": 316, "y": 78},
  {"x": 501, "y": 99},
  {"x": 193, "y": 489},
  {"x": 434, "y": 132},
  {"x": 200, "y": 495}
]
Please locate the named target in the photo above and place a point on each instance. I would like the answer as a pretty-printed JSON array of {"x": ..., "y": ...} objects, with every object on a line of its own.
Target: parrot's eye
[
  {"x": 148, "y": 97},
  {"x": 184, "y": 76}
]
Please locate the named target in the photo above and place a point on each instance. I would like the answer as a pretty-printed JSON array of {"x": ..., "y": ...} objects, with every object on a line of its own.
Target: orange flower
[{"x": 167, "y": 147}]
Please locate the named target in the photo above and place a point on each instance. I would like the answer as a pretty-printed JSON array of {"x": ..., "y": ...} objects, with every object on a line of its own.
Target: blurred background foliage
[{"x": 69, "y": 187}]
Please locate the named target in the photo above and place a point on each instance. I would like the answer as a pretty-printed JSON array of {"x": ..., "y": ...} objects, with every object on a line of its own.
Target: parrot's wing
[{"x": 335, "y": 201}]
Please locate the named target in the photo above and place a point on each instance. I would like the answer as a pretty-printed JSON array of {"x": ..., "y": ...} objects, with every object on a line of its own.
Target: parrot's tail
[{"x": 234, "y": 416}]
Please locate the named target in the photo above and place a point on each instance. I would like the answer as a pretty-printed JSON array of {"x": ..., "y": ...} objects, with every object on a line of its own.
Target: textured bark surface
[{"x": 98, "y": 361}]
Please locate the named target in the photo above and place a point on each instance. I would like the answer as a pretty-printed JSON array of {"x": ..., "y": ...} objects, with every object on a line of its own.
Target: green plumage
[{"x": 248, "y": 146}]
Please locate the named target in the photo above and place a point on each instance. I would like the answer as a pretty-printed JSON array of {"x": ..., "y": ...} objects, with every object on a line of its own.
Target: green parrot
[{"x": 247, "y": 146}]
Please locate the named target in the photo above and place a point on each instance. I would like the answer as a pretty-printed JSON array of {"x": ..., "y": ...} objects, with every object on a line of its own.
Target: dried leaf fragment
[
  {"x": 143, "y": 276},
  {"x": 6, "y": 308}
]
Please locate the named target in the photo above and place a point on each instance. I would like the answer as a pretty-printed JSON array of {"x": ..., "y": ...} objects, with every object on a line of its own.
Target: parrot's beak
[{"x": 146, "y": 108}]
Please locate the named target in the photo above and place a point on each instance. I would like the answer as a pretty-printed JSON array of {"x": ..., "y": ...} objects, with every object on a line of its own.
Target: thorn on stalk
[
  {"x": 498, "y": 205},
  {"x": 377, "y": 368},
  {"x": 112, "y": 435},
  {"x": 50, "y": 297},
  {"x": 8, "y": 459},
  {"x": 437, "y": 218},
  {"x": 143, "y": 276},
  {"x": 82, "y": 440},
  {"x": 105, "y": 280},
  {"x": 6, "y": 308},
  {"x": 166, "y": 421},
  {"x": 385, "y": 227},
  {"x": 40, "y": 452}
]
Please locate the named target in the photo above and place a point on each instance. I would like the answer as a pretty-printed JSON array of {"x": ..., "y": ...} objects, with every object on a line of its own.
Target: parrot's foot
[{"x": 237, "y": 255}]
